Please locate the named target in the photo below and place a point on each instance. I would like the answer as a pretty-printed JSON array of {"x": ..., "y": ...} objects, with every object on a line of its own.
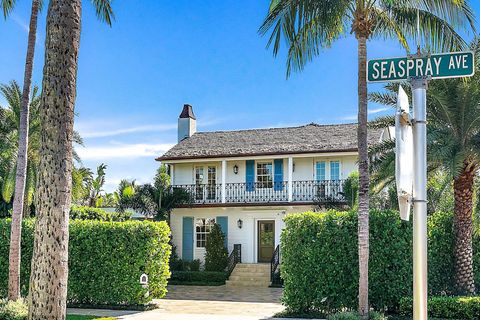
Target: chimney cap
[{"x": 187, "y": 112}]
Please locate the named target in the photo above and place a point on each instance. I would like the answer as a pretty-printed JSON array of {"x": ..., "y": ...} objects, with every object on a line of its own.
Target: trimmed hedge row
[
  {"x": 320, "y": 260},
  {"x": 198, "y": 277},
  {"x": 465, "y": 308},
  {"x": 106, "y": 260},
  {"x": 90, "y": 213}
]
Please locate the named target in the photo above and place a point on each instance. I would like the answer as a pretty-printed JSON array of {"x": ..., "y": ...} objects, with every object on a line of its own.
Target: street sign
[
  {"x": 403, "y": 154},
  {"x": 435, "y": 66}
]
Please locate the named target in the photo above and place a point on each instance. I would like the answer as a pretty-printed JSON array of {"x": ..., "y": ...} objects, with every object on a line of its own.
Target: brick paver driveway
[{"x": 214, "y": 303}]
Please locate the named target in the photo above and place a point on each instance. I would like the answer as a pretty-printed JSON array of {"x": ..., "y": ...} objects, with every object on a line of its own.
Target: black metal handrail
[
  {"x": 256, "y": 192},
  {"x": 275, "y": 278},
  {"x": 314, "y": 191},
  {"x": 234, "y": 258}
]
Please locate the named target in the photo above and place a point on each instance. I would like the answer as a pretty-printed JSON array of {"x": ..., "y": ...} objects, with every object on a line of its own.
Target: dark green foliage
[
  {"x": 350, "y": 189},
  {"x": 106, "y": 260},
  {"x": 90, "y": 213},
  {"x": 465, "y": 308},
  {"x": 155, "y": 200},
  {"x": 216, "y": 256},
  {"x": 350, "y": 315},
  {"x": 320, "y": 260},
  {"x": 198, "y": 278}
]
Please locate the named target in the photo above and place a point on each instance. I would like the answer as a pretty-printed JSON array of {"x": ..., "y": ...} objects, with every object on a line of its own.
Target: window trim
[
  {"x": 205, "y": 233},
  {"x": 339, "y": 169},
  {"x": 257, "y": 183}
]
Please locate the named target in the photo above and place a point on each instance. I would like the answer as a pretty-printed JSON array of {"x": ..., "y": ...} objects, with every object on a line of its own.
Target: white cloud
[
  {"x": 349, "y": 118},
  {"x": 378, "y": 110},
  {"x": 354, "y": 117},
  {"x": 19, "y": 21},
  {"x": 125, "y": 151},
  {"x": 115, "y": 132}
]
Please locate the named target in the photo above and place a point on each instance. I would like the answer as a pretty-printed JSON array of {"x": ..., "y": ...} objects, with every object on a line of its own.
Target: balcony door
[
  {"x": 206, "y": 191},
  {"x": 266, "y": 240}
]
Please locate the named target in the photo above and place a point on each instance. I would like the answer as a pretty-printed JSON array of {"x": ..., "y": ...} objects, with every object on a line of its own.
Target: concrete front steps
[{"x": 250, "y": 275}]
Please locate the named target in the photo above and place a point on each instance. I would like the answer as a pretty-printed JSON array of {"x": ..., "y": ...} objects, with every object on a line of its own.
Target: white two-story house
[{"x": 248, "y": 180}]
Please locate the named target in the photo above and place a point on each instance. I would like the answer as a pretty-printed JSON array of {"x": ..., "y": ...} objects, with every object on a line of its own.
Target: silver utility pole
[{"x": 419, "y": 93}]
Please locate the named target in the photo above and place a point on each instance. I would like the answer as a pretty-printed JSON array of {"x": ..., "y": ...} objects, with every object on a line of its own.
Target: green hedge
[
  {"x": 320, "y": 260},
  {"x": 198, "y": 277},
  {"x": 90, "y": 213},
  {"x": 106, "y": 260},
  {"x": 465, "y": 308}
]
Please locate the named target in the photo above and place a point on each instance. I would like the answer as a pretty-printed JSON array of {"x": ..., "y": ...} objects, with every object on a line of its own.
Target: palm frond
[
  {"x": 104, "y": 11},
  {"x": 305, "y": 26},
  {"x": 7, "y": 6},
  {"x": 381, "y": 122}
]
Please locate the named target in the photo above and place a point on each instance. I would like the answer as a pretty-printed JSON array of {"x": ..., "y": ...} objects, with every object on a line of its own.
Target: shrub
[
  {"x": 216, "y": 256},
  {"x": 320, "y": 260},
  {"x": 90, "y": 213},
  {"x": 198, "y": 277},
  {"x": 355, "y": 316},
  {"x": 195, "y": 265},
  {"x": 465, "y": 308},
  {"x": 350, "y": 189},
  {"x": 13, "y": 310},
  {"x": 106, "y": 260}
]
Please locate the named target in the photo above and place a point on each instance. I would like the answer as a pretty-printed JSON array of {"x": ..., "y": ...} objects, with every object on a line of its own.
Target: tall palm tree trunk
[
  {"x": 49, "y": 272},
  {"x": 463, "y": 227},
  {"x": 364, "y": 183},
  {"x": 21, "y": 174}
]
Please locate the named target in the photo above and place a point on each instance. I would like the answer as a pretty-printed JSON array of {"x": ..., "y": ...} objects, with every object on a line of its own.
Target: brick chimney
[{"x": 187, "y": 123}]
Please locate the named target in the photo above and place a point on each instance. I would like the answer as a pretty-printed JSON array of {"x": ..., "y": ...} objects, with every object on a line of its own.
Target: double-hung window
[
  {"x": 264, "y": 175},
  {"x": 203, "y": 227}
]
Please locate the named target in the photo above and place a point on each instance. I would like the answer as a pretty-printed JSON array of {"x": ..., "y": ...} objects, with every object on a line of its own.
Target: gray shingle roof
[{"x": 311, "y": 138}]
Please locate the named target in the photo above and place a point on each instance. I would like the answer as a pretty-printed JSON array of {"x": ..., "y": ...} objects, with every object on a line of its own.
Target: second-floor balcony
[{"x": 321, "y": 192}]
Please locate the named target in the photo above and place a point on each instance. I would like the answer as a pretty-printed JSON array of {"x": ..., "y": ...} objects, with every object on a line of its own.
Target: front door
[{"x": 266, "y": 240}]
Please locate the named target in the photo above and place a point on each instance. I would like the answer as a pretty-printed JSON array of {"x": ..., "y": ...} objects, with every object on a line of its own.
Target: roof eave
[{"x": 162, "y": 158}]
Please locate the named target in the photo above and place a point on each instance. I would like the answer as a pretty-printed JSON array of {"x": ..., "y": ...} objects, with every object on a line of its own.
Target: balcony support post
[
  {"x": 290, "y": 179},
  {"x": 224, "y": 179}
]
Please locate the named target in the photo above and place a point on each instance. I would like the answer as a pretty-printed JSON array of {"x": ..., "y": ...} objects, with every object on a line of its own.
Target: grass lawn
[{"x": 77, "y": 317}]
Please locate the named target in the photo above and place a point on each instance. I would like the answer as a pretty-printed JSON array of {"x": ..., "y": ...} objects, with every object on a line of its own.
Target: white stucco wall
[
  {"x": 246, "y": 236},
  {"x": 304, "y": 169}
]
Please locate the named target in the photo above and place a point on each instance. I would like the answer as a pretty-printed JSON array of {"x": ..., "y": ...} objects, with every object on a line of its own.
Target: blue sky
[{"x": 134, "y": 77}]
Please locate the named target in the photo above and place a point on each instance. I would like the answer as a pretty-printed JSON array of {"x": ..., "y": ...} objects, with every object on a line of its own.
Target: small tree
[
  {"x": 216, "y": 257},
  {"x": 350, "y": 189}
]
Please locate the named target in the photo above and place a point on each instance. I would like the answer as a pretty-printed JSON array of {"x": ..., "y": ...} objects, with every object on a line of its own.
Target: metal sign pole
[{"x": 419, "y": 93}]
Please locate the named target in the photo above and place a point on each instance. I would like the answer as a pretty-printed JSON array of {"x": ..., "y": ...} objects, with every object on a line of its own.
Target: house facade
[{"x": 248, "y": 180}]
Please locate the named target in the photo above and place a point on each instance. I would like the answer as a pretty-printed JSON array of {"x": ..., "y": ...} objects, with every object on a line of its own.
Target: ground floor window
[{"x": 202, "y": 228}]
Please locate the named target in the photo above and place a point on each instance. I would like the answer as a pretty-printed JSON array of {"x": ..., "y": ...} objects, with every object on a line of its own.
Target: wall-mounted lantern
[
  {"x": 239, "y": 223},
  {"x": 235, "y": 169},
  {"x": 293, "y": 167}
]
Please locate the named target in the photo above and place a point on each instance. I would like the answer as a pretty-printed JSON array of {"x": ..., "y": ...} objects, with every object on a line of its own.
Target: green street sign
[{"x": 435, "y": 66}]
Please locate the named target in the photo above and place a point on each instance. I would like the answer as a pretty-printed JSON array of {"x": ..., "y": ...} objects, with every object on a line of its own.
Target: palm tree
[
  {"x": 155, "y": 200},
  {"x": 453, "y": 147},
  {"x": 95, "y": 186},
  {"x": 307, "y": 26},
  {"x": 22, "y": 156},
  {"x": 49, "y": 271},
  {"x": 9, "y": 131}
]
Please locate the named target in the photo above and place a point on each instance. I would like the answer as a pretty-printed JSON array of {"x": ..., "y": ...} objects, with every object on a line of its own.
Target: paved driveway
[{"x": 214, "y": 303}]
